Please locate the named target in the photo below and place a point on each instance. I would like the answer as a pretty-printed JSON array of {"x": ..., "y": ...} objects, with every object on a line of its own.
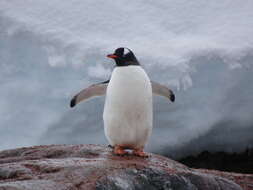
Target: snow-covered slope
[{"x": 49, "y": 50}]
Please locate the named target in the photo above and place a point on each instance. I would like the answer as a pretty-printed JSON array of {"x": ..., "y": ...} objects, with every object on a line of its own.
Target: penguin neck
[{"x": 120, "y": 63}]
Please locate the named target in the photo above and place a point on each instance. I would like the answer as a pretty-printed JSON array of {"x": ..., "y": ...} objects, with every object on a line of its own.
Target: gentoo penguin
[{"x": 128, "y": 109}]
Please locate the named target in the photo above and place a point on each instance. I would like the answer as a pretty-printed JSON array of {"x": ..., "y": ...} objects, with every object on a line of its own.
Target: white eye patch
[{"x": 126, "y": 51}]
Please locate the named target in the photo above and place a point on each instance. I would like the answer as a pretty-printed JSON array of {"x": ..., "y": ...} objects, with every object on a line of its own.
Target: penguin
[{"x": 128, "y": 108}]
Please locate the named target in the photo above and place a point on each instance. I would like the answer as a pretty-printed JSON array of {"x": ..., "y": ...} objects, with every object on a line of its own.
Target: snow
[{"x": 50, "y": 50}]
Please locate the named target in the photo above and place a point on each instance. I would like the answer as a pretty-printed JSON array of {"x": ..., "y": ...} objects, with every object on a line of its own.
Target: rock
[
  {"x": 76, "y": 167},
  {"x": 245, "y": 180}
]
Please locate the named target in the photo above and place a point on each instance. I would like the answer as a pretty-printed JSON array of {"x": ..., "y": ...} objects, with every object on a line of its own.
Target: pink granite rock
[{"x": 76, "y": 167}]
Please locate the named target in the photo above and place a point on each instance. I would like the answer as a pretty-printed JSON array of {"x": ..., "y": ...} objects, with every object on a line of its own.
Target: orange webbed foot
[
  {"x": 140, "y": 153},
  {"x": 118, "y": 150}
]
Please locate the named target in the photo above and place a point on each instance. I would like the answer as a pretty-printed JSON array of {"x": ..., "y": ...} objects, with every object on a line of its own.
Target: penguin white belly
[{"x": 128, "y": 110}]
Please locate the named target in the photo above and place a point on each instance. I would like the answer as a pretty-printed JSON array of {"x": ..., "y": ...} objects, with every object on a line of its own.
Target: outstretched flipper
[
  {"x": 162, "y": 91},
  {"x": 93, "y": 90},
  {"x": 100, "y": 90}
]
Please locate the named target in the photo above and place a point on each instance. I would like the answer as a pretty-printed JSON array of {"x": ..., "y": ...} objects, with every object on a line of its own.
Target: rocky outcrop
[{"x": 62, "y": 167}]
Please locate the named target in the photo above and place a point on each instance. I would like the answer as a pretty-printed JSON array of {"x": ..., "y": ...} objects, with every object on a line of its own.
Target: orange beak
[{"x": 112, "y": 56}]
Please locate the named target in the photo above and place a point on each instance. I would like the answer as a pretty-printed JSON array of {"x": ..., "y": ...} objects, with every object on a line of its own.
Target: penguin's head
[{"x": 124, "y": 57}]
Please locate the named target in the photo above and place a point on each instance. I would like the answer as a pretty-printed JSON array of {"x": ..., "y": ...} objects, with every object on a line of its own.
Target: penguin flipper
[
  {"x": 93, "y": 90},
  {"x": 162, "y": 91}
]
